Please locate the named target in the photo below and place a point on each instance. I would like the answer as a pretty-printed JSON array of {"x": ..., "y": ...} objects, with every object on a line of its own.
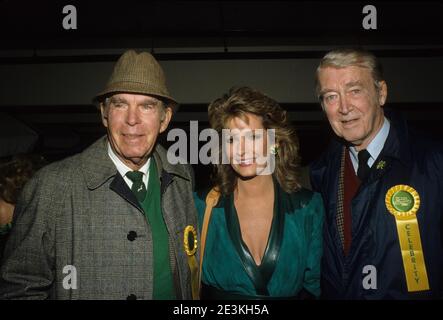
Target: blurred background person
[{"x": 14, "y": 173}]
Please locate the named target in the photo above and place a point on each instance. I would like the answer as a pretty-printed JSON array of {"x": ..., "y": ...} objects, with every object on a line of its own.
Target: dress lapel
[{"x": 259, "y": 275}]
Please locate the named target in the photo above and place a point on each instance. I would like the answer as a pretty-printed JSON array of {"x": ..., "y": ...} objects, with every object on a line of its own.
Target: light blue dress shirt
[{"x": 374, "y": 148}]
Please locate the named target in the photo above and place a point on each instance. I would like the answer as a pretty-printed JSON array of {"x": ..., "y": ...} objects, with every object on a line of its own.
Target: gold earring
[{"x": 274, "y": 149}]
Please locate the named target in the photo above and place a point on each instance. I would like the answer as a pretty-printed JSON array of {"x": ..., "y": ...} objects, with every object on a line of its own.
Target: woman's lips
[{"x": 245, "y": 162}]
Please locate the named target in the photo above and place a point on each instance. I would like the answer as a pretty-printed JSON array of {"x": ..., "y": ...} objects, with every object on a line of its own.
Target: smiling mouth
[
  {"x": 244, "y": 162},
  {"x": 131, "y": 136},
  {"x": 348, "y": 122}
]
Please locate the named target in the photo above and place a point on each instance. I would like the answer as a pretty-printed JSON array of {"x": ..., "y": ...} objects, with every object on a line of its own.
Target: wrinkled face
[
  {"x": 247, "y": 145},
  {"x": 133, "y": 122},
  {"x": 352, "y": 103}
]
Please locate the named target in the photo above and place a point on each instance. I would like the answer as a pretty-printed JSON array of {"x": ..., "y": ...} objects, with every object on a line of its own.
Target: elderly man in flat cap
[{"x": 116, "y": 221}]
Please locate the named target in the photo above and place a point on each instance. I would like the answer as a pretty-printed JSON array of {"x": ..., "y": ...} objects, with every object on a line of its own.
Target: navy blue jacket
[{"x": 410, "y": 160}]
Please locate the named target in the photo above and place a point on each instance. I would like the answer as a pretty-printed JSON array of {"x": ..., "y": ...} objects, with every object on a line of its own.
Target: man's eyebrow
[
  {"x": 150, "y": 100},
  {"x": 326, "y": 90},
  {"x": 347, "y": 85},
  {"x": 353, "y": 83},
  {"x": 118, "y": 100}
]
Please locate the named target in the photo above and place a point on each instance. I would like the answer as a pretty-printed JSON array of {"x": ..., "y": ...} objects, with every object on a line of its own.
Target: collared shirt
[
  {"x": 374, "y": 148},
  {"x": 123, "y": 169}
]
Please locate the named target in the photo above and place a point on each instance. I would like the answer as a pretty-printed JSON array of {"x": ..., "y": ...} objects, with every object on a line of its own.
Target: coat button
[
  {"x": 132, "y": 235},
  {"x": 131, "y": 297}
]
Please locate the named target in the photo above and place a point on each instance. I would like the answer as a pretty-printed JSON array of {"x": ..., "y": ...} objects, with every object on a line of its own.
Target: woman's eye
[{"x": 251, "y": 135}]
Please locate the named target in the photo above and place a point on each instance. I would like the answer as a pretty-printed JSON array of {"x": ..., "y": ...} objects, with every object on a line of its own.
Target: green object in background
[{"x": 5, "y": 228}]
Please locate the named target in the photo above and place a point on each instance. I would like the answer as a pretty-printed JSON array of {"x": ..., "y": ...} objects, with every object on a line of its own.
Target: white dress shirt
[
  {"x": 123, "y": 169},
  {"x": 374, "y": 148}
]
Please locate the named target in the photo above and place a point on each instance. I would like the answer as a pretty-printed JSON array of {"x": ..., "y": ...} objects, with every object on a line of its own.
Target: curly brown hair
[
  {"x": 15, "y": 173},
  {"x": 239, "y": 102}
]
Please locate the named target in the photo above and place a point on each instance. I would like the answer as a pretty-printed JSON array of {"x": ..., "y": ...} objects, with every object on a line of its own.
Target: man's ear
[
  {"x": 166, "y": 119},
  {"x": 382, "y": 93},
  {"x": 104, "y": 114},
  {"x": 322, "y": 107}
]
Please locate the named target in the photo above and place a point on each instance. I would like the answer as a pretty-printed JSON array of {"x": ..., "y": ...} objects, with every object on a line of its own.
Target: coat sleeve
[
  {"x": 28, "y": 264},
  {"x": 311, "y": 281}
]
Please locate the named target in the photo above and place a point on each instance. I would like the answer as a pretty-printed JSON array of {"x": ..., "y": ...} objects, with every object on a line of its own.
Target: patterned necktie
[
  {"x": 363, "y": 167},
  {"x": 138, "y": 187}
]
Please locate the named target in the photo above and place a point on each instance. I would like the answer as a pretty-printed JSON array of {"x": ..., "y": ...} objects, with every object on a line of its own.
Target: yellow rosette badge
[
  {"x": 190, "y": 244},
  {"x": 190, "y": 240},
  {"x": 403, "y": 202}
]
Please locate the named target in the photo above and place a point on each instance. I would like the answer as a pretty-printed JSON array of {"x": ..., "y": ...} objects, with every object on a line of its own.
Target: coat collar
[
  {"x": 397, "y": 144},
  {"x": 98, "y": 168},
  {"x": 163, "y": 164}
]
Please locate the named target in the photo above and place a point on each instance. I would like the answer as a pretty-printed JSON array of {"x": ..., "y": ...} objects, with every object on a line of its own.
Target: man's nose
[
  {"x": 345, "y": 106},
  {"x": 132, "y": 116}
]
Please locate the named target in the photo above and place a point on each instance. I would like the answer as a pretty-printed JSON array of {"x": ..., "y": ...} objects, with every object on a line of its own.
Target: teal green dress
[{"x": 291, "y": 262}]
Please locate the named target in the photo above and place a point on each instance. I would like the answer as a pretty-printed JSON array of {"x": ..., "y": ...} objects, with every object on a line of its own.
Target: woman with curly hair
[
  {"x": 263, "y": 238},
  {"x": 14, "y": 173}
]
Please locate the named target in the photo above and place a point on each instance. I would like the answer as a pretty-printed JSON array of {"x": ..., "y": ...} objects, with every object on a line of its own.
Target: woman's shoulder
[
  {"x": 201, "y": 195},
  {"x": 200, "y": 203},
  {"x": 199, "y": 199},
  {"x": 306, "y": 200},
  {"x": 303, "y": 197}
]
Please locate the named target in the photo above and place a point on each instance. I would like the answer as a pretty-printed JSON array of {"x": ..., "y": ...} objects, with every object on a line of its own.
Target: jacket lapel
[
  {"x": 96, "y": 165},
  {"x": 394, "y": 150},
  {"x": 259, "y": 275},
  {"x": 119, "y": 186},
  {"x": 96, "y": 175}
]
